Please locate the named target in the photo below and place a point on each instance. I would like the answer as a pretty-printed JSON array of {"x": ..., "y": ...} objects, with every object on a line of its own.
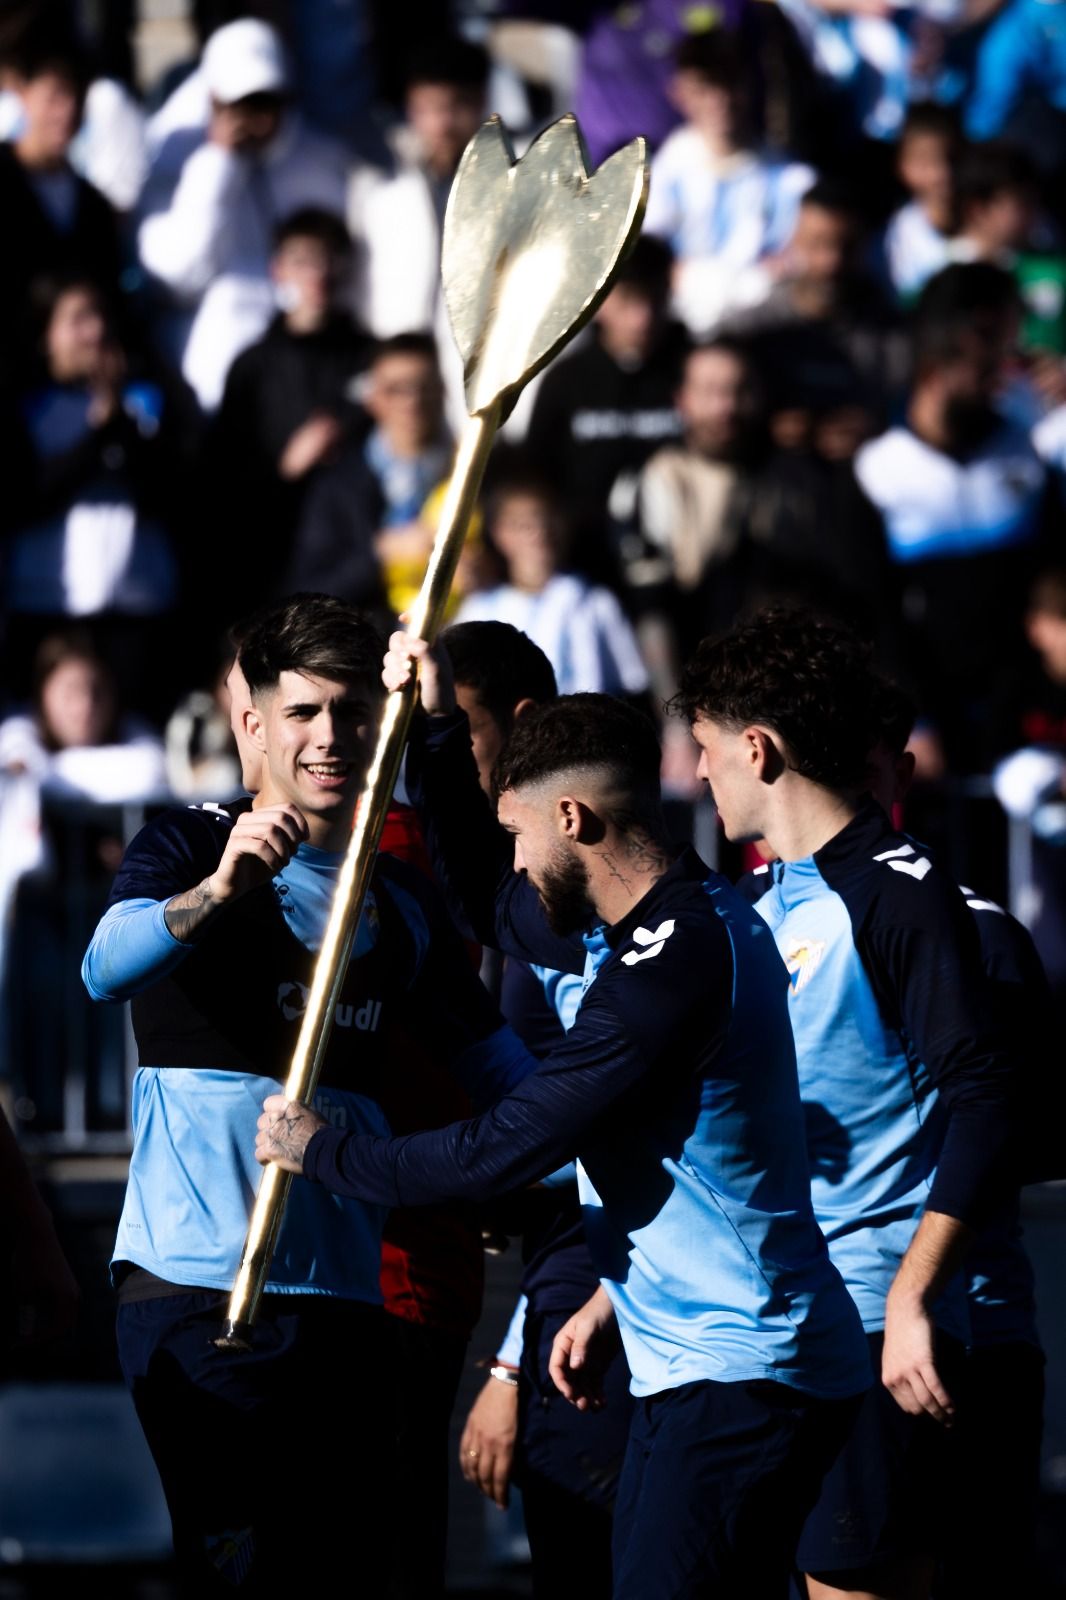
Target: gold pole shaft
[{"x": 353, "y": 881}]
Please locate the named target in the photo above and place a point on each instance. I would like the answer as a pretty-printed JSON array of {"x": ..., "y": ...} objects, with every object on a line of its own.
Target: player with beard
[
  {"x": 677, "y": 1088},
  {"x": 215, "y": 915}
]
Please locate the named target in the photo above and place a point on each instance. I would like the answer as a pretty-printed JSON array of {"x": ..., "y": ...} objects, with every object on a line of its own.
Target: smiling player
[{"x": 214, "y": 918}]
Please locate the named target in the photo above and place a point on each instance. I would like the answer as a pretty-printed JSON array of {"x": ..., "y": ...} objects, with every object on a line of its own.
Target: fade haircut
[
  {"x": 316, "y": 634},
  {"x": 805, "y": 677},
  {"x": 501, "y": 665},
  {"x": 591, "y": 733}
]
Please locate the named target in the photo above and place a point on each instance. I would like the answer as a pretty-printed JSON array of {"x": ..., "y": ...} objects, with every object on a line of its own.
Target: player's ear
[
  {"x": 254, "y": 726},
  {"x": 521, "y": 708},
  {"x": 578, "y": 822},
  {"x": 767, "y": 761}
]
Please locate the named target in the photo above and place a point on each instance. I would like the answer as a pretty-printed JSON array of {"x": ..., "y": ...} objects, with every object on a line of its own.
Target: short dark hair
[
  {"x": 835, "y": 195},
  {"x": 956, "y": 304},
  {"x": 451, "y": 60},
  {"x": 406, "y": 344},
  {"x": 315, "y": 633},
  {"x": 592, "y": 731},
  {"x": 986, "y": 170},
  {"x": 40, "y": 52},
  {"x": 501, "y": 665},
  {"x": 931, "y": 119},
  {"x": 717, "y": 58},
  {"x": 647, "y": 267},
  {"x": 808, "y": 678},
  {"x": 45, "y": 293},
  {"x": 896, "y": 713},
  {"x": 314, "y": 222}
]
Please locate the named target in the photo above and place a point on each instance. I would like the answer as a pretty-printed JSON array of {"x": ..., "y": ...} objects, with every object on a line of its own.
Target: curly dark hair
[
  {"x": 808, "y": 678},
  {"x": 314, "y": 633},
  {"x": 588, "y": 731}
]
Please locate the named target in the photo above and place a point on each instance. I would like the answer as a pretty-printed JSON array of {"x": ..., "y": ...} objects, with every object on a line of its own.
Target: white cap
[{"x": 245, "y": 57}]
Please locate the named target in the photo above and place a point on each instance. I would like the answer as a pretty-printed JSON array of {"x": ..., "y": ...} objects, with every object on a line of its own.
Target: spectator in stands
[
  {"x": 290, "y": 405},
  {"x": 54, "y": 221},
  {"x": 361, "y": 531},
  {"x": 74, "y": 744},
  {"x": 100, "y": 488},
  {"x": 396, "y": 218},
  {"x": 962, "y": 495},
  {"x": 679, "y": 558},
  {"x": 825, "y": 339},
  {"x": 996, "y": 205},
  {"x": 604, "y": 409},
  {"x": 580, "y": 627},
  {"x": 720, "y": 204},
  {"x": 76, "y": 740},
  {"x": 214, "y": 195},
  {"x": 1030, "y": 780},
  {"x": 916, "y": 239}
]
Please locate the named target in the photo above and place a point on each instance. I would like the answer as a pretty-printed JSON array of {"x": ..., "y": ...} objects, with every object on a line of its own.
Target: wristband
[{"x": 506, "y": 1375}]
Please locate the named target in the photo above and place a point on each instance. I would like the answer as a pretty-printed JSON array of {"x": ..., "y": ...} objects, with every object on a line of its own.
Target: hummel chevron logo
[
  {"x": 654, "y": 942},
  {"x": 913, "y": 869}
]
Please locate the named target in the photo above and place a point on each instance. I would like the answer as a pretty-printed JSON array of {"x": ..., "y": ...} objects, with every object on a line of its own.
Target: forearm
[
  {"x": 934, "y": 1256},
  {"x": 131, "y": 948},
  {"x": 188, "y": 915}
]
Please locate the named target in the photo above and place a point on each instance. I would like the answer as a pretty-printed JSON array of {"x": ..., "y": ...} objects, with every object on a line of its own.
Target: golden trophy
[{"x": 529, "y": 251}]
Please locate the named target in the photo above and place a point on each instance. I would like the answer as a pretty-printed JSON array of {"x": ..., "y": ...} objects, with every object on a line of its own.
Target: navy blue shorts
[
  {"x": 568, "y": 1467},
  {"x": 276, "y": 1462},
  {"x": 717, "y": 1481},
  {"x": 887, "y": 1496}
]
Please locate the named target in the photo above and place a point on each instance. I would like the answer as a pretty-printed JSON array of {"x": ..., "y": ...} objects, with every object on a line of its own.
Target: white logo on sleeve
[
  {"x": 653, "y": 941},
  {"x": 913, "y": 869}
]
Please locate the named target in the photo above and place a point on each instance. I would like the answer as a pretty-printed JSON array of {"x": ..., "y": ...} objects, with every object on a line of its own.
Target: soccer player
[
  {"x": 567, "y": 1463},
  {"x": 215, "y": 917},
  {"x": 1003, "y": 1419},
  {"x": 677, "y": 1087},
  {"x": 904, "y": 1083}
]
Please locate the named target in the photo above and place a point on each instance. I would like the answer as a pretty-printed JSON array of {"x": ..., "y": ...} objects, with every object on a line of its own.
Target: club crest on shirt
[{"x": 802, "y": 959}]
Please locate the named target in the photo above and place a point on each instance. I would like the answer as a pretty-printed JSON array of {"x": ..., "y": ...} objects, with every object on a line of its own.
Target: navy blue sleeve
[
  {"x": 634, "y": 1019},
  {"x": 172, "y": 853},
  {"x": 472, "y": 855},
  {"x": 920, "y": 946},
  {"x": 449, "y": 1010}
]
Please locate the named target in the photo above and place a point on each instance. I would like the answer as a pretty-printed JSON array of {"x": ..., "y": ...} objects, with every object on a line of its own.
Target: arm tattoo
[{"x": 187, "y": 914}]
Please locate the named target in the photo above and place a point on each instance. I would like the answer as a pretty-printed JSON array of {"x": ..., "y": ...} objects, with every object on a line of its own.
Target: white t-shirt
[
  {"x": 581, "y": 629},
  {"x": 935, "y": 506}
]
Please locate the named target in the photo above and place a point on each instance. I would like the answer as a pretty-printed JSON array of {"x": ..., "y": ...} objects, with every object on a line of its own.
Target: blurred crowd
[{"x": 833, "y": 368}]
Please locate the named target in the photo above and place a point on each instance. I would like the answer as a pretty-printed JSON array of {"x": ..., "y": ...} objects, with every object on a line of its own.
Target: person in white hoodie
[{"x": 231, "y": 159}]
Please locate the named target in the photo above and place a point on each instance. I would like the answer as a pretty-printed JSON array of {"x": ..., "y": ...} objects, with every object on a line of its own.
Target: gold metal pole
[
  {"x": 355, "y": 873},
  {"x": 529, "y": 251}
]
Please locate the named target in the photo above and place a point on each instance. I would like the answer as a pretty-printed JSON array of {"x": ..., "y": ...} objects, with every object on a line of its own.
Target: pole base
[{"x": 238, "y": 1336}]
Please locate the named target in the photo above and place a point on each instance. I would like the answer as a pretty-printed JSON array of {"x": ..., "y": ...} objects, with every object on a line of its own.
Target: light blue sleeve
[
  {"x": 131, "y": 948},
  {"x": 493, "y": 1067},
  {"x": 509, "y": 1353}
]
